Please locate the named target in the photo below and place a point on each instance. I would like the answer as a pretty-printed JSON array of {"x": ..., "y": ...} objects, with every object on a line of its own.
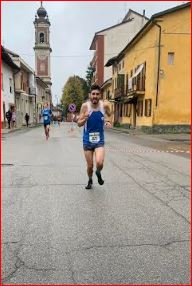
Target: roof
[
  {"x": 8, "y": 60},
  {"x": 144, "y": 29},
  {"x": 11, "y": 53},
  {"x": 41, "y": 82},
  {"x": 171, "y": 10},
  {"x": 107, "y": 82},
  {"x": 134, "y": 12},
  {"x": 21, "y": 62}
]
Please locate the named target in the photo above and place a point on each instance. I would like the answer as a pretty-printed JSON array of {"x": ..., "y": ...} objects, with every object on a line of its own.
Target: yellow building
[
  {"x": 107, "y": 94},
  {"x": 152, "y": 76}
]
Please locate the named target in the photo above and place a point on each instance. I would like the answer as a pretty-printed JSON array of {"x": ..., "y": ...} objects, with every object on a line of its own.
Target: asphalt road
[{"x": 132, "y": 230}]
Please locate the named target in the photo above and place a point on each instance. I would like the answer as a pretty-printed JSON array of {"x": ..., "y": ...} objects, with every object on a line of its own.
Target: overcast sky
[{"x": 73, "y": 25}]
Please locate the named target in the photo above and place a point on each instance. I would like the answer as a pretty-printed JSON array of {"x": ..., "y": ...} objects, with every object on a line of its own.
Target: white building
[{"x": 8, "y": 70}]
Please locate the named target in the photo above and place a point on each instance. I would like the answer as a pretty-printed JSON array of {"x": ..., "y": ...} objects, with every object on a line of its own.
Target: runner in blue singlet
[
  {"x": 46, "y": 114},
  {"x": 92, "y": 117}
]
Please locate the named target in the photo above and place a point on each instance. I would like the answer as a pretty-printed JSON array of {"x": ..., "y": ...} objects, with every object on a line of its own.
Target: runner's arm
[
  {"x": 83, "y": 115},
  {"x": 108, "y": 112}
]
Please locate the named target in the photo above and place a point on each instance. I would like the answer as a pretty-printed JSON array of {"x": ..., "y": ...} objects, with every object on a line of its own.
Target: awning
[{"x": 130, "y": 82}]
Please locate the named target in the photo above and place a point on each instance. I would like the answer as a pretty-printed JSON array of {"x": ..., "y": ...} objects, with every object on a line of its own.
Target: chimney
[
  {"x": 143, "y": 18},
  {"x": 143, "y": 13}
]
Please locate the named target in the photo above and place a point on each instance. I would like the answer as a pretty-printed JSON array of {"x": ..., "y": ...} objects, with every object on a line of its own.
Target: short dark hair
[{"x": 95, "y": 86}]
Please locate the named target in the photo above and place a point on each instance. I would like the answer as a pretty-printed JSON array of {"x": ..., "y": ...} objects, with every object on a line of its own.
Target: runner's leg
[
  {"x": 89, "y": 160},
  {"x": 48, "y": 127},
  {"x": 45, "y": 129},
  {"x": 99, "y": 157}
]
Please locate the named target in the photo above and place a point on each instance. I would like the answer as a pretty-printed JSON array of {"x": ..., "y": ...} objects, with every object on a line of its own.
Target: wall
[
  {"x": 145, "y": 50},
  {"x": 7, "y": 96},
  {"x": 117, "y": 38},
  {"x": 175, "y": 83}
]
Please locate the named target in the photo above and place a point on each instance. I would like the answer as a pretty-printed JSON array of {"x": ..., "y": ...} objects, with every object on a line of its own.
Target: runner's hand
[
  {"x": 108, "y": 124},
  {"x": 86, "y": 115}
]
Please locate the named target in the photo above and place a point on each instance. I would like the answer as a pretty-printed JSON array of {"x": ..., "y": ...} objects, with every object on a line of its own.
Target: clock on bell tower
[{"x": 42, "y": 46}]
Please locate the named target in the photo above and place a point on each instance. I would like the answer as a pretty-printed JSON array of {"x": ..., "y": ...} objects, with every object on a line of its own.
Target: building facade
[
  {"x": 8, "y": 71},
  {"x": 153, "y": 91},
  {"x": 109, "y": 42}
]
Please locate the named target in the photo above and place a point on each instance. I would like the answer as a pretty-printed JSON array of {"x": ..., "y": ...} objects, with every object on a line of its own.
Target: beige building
[
  {"x": 110, "y": 41},
  {"x": 24, "y": 82}
]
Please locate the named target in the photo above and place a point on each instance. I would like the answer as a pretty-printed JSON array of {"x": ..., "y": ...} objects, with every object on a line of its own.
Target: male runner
[
  {"x": 46, "y": 113},
  {"x": 92, "y": 117}
]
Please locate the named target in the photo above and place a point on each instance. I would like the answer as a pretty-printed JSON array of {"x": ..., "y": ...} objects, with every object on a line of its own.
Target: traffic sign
[{"x": 72, "y": 107}]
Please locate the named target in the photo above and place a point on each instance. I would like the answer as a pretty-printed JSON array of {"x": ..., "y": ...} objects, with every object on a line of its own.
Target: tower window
[{"x": 42, "y": 37}]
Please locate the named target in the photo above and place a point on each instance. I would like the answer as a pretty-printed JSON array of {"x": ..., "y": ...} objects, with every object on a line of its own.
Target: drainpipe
[{"x": 158, "y": 63}]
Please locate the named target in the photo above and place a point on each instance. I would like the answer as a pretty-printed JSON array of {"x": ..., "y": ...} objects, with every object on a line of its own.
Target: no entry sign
[{"x": 72, "y": 107}]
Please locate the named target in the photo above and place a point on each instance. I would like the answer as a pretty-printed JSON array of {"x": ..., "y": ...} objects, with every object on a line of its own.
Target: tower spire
[{"x": 41, "y": 3}]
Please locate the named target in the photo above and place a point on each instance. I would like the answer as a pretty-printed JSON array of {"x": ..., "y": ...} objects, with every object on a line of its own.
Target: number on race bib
[{"x": 94, "y": 137}]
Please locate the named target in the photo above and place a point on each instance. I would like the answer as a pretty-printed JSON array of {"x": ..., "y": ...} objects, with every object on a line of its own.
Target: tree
[
  {"x": 89, "y": 75},
  {"x": 73, "y": 93},
  {"x": 85, "y": 88}
]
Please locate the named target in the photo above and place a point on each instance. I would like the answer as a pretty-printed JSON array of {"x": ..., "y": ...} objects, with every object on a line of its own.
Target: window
[
  {"x": 42, "y": 38},
  {"x": 10, "y": 85},
  {"x": 140, "y": 108},
  {"x": 127, "y": 81},
  {"x": 171, "y": 58},
  {"x": 148, "y": 103},
  {"x": 129, "y": 110},
  {"x": 125, "y": 109},
  {"x": 120, "y": 109},
  {"x": 123, "y": 64}
]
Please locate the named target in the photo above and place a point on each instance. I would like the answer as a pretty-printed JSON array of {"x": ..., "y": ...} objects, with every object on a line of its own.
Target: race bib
[
  {"x": 45, "y": 117},
  {"x": 94, "y": 137}
]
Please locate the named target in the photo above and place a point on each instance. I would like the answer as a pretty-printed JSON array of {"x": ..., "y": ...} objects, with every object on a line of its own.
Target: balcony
[
  {"x": 137, "y": 84},
  {"x": 119, "y": 92}
]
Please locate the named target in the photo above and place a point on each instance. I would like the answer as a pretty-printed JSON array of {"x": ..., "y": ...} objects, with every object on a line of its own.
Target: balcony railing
[
  {"x": 138, "y": 83},
  {"x": 119, "y": 92}
]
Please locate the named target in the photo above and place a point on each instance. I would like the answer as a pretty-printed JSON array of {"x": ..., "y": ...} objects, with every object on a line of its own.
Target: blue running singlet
[
  {"x": 46, "y": 113},
  {"x": 93, "y": 134}
]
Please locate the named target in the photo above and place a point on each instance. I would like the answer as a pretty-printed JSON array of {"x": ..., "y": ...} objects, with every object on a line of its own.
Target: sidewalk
[
  {"x": 165, "y": 136},
  {"x": 6, "y": 130}
]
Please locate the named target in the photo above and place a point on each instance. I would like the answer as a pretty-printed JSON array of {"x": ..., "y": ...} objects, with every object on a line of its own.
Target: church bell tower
[{"x": 42, "y": 46}]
